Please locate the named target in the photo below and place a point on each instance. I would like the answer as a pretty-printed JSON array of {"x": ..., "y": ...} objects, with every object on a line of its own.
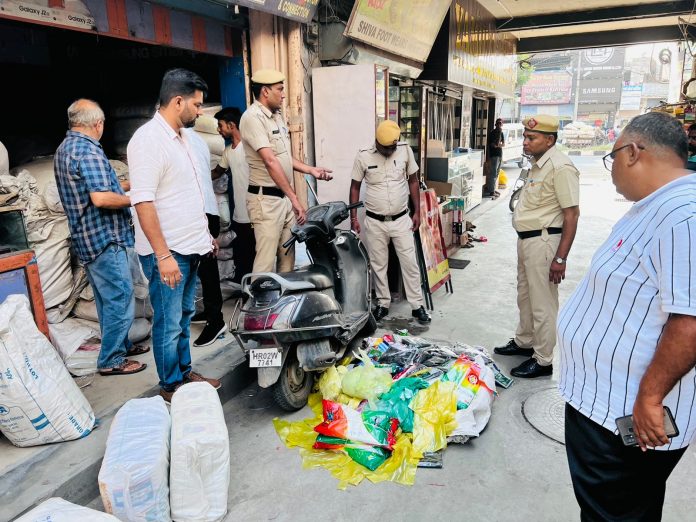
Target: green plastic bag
[
  {"x": 372, "y": 457},
  {"x": 366, "y": 381},
  {"x": 397, "y": 400}
]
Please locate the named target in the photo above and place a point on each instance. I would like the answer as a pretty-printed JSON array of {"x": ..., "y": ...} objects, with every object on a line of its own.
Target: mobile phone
[{"x": 625, "y": 427}]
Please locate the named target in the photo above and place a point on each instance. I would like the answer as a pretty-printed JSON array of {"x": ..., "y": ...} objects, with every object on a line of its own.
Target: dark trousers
[
  {"x": 613, "y": 481},
  {"x": 210, "y": 278},
  {"x": 492, "y": 176},
  {"x": 243, "y": 250}
]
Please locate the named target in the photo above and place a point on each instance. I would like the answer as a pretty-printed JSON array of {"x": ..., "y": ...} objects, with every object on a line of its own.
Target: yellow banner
[{"x": 404, "y": 27}]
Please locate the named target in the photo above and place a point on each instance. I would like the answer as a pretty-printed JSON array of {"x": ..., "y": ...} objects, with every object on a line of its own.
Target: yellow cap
[
  {"x": 541, "y": 123},
  {"x": 388, "y": 133},
  {"x": 268, "y": 77}
]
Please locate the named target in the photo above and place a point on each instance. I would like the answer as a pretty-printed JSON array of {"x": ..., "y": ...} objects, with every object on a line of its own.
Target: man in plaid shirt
[{"x": 99, "y": 219}]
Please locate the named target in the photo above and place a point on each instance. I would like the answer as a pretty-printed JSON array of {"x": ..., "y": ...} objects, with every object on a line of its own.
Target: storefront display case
[{"x": 411, "y": 117}]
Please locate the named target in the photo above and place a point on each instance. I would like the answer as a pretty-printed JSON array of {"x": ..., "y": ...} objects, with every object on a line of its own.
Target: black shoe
[
  {"x": 210, "y": 333},
  {"x": 199, "y": 318},
  {"x": 380, "y": 312},
  {"x": 511, "y": 348},
  {"x": 421, "y": 315},
  {"x": 530, "y": 369}
]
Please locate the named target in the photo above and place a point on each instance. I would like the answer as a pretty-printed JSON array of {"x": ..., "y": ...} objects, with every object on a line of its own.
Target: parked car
[{"x": 512, "y": 151}]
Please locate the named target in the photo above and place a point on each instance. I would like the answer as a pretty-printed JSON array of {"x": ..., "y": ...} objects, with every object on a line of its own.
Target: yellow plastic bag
[
  {"x": 330, "y": 386},
  {"x": 366, "y": 381},
  {"x": 400, "y": 467},
  {"x": 435, "y": 411},
  {"x": 502, "y": 179}
]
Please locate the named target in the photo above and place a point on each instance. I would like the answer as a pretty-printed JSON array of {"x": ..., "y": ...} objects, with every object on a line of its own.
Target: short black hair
[
  {"x": 180, "y": 82},
  {"x": 229, "y": 114},
  {"x": 256, "y": 89},
  {"x": 663, "y": 130},
  {"x": 692, "y": 127}
]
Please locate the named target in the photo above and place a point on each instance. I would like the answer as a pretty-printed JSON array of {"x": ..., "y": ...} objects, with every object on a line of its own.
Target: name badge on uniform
[
  {"x": 372, "y": 166},
  {"x": 276, "y": 132}
]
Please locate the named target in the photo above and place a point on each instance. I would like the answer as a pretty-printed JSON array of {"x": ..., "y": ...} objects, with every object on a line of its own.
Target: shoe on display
[
  {"x": 197, "y": 377},
  {"x": 199, "y": 318},
  {"x": 210, "y": 333},
  {"x": 530, "y": 369},
  {"x": 421, "y": 315},
  {"x": 511, "y": 348},
  {"x": 380, "y": 313}
]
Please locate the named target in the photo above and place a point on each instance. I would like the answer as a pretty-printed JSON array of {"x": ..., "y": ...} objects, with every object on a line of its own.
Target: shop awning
[{"x": 136, "y": 20}]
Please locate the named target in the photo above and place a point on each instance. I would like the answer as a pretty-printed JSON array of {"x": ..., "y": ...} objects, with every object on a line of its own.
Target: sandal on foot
[
  {"x": 127, "y": 368},
  {"x": 137, "y": 349}
]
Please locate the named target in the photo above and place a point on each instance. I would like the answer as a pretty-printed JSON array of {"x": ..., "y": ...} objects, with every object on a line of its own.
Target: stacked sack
[
  {"x": 64, "y": 283},
  {"x": 162, "y": 467}
]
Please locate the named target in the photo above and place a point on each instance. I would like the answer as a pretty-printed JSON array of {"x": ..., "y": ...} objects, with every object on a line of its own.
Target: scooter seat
[{"x": 314, "y": 274}]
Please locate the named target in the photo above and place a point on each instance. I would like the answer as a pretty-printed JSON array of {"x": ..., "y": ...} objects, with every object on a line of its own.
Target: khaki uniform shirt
[
  {"x": 553, "y": 183},
  {"x": 386, "y": 191},
  {"x": 262, "y": 128}
]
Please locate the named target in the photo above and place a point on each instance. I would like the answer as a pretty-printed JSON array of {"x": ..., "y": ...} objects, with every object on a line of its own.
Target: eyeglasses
[{"x": 609, "y": 158}]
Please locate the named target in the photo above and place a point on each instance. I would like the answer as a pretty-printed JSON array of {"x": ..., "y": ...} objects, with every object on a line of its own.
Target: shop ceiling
[{"x": 575, "y": 24}]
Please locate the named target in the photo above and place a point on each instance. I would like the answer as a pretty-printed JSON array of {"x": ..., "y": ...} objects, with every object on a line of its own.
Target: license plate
[{"x": 264, "y": 357}]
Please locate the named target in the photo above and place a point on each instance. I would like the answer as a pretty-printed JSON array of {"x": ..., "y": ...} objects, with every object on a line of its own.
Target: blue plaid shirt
[{"x": 81, "y": 167}]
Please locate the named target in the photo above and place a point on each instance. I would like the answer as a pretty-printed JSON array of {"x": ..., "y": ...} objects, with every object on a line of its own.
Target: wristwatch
[{"x": 559, "y": 260}]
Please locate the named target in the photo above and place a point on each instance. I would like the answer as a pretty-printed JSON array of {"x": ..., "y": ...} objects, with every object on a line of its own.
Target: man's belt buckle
[{"x": 387, "y": 218}]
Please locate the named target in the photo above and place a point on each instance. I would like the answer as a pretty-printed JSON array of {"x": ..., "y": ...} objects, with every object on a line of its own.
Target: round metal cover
[{"x": 545, "y": 411}]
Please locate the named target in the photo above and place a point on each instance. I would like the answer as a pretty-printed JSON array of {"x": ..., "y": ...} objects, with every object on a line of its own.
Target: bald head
[{"x": 84, "y": 113}]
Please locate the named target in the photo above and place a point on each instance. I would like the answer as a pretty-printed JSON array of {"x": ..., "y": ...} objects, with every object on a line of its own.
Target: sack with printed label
[
  {"x": 59, "y": 510},
  {"x": 39, "y": 401},
  {"x": 134, "y": 475}
]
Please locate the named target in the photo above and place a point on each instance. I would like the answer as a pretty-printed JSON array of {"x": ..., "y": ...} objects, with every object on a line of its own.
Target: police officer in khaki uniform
[
  {"x": 389, "y": 170},
  {"x": 546, "y": 218},
  {"x": 271, "y": 200}
]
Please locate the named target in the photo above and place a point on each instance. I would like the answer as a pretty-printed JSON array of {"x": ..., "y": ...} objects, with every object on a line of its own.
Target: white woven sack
[
  {"x": 50, "y": 240},
  {"x": 39, "y": 401},
  {"x": 215, "y": 143},
  {"x": 223, "y": 203},
  {"x": 58, "y": 510},
  {"x": 199, "y": 474},
  {"x": 139, "y": 330},
  {"x": 4, "y": 161},
  {"x": 206, "y": 124},
  {"x": 134, "y": 475}
]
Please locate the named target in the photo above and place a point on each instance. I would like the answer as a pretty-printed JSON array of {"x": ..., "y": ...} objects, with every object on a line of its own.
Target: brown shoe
[
  {"x": 197, "y": 377},
  {"x": 167, "y": 395}
]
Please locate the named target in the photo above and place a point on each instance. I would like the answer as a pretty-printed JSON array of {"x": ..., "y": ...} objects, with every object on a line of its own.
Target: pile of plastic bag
[{"x": 405, "y": 397}]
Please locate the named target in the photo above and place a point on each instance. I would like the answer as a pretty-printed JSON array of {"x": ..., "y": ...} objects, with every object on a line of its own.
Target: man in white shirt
[
  {"x": 208, "y": 271},
  {"x": 628, "y": 333},
  {"x": 171, "y": 229},
  {"x": 234, "y": 159}
]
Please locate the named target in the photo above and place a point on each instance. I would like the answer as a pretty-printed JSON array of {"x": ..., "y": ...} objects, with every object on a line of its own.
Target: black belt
[
  {"x": 267, "y": 191},
  {"x": 536, "y": 233},
  {"x": 380, "y": 217}
]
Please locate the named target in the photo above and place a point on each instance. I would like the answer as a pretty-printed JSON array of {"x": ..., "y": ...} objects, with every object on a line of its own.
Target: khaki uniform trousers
[
  {"x": 271, "y": 218},
  {"x": 377, "y": 237},
  {"x": 537, "y": 297}
]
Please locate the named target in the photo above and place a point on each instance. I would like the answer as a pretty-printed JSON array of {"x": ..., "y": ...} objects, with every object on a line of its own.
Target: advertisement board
[
  {"x": 298, "y": 10},
  {"x": 433, "y": 241},
  {"x": 630, "y": 97},
  {"x": 547, "y": 88},
  {"x": 402, "y": 27},
  {"x": 480, "y": 56}
]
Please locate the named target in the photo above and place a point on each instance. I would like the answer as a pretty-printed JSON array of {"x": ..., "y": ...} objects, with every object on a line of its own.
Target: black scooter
[{"x": 298, "y": 323}]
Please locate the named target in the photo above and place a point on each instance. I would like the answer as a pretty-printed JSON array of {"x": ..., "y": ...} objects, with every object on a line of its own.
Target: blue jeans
[
  {"x": 111, "y": 281},
  {"x": 173, "y": 309}
]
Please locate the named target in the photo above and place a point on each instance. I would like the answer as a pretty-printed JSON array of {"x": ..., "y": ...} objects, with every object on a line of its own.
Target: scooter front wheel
[{"x": 294, "y": 385}]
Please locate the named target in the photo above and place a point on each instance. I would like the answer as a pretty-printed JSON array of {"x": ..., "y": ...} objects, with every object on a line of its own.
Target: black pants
[
  {"x": 243, "y": 250},
  {"x": 210, "y": 278},
  {"x": 613, "y": 481}
]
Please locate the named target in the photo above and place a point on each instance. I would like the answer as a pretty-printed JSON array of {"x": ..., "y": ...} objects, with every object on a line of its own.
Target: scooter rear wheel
[{"x": 294, "y": 385}]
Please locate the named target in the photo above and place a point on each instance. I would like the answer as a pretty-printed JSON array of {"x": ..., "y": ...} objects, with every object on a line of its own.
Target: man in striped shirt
[{"x": 628, "y": 333}]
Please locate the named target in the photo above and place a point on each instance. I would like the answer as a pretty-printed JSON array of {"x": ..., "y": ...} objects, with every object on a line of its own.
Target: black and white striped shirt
[{"x": 609, "y": 328}]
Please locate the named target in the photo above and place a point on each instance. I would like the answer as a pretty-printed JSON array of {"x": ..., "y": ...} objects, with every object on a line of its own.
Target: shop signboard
[
  {"x": 38, "y": 11},
  {"x": 479, "y": 56},
  {"x": 602, "y": 62},
  {"x": 600, "y": 91},
  {"x": 630, "y": 97},
  {"x": 433, "y": 241},
  {"x": 547, "y": 88},
  {"x": 298, "y": 10},
  {"x": 402, "y": 27}
]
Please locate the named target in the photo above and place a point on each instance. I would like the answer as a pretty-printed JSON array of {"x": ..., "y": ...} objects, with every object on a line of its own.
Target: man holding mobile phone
[{"x": 628, "y": 333}]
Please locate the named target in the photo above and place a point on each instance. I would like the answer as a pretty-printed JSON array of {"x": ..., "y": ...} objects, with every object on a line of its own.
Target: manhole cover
[{"x": 545, "y": 411}]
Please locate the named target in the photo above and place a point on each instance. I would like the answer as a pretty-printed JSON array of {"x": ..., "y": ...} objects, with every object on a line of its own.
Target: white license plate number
[{"x": 264, "y": 357}]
